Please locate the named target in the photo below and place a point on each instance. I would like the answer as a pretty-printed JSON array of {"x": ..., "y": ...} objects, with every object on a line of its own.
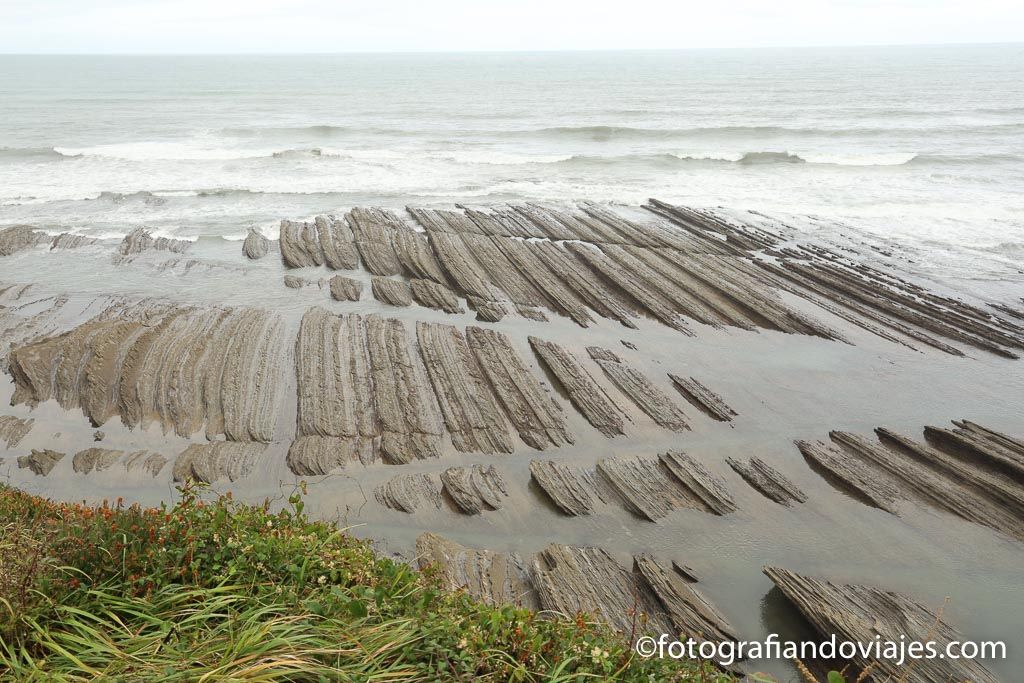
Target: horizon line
[{"x": 510, "y": 51}]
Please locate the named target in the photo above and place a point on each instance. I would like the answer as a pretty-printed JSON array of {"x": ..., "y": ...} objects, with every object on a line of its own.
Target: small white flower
[
  {"x": 463, "y": 643},
  {"x": 270, "y": 524},
  {"x": 322, "y": 580}
]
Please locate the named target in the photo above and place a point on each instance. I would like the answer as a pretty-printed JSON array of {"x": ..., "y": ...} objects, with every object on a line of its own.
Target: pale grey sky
[{"x": 210, "y": 26}]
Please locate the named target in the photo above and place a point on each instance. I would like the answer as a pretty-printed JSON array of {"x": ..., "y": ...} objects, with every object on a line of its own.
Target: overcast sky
[{"x": 206, "y": 26}]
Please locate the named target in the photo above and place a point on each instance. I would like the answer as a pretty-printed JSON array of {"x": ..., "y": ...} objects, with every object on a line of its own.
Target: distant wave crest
[{"x": 30, "y": 153}]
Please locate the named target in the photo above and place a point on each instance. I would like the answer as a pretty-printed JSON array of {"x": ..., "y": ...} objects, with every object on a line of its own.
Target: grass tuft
[{"x": 215, "y": 590}]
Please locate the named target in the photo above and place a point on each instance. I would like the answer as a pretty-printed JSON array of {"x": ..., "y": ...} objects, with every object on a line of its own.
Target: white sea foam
[{"x": 915, "y": 158}]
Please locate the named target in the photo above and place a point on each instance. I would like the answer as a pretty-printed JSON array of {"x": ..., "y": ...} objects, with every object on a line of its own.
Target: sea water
[{"x": 921, "y": 145}]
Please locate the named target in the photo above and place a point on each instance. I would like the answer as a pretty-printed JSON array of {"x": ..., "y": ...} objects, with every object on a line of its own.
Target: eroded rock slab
[
  {"x": 529, "y": 313},
  {"x": 491, "y": 577},
  {"x": 408, "y": 492},
  {"x": 345, "y": 288},
  {"x": 584, "y": 393},
  {"x": 362, "y": 386},
  {"x": 566, "y": 489},
  {"x": 335, "y": 391},
  {"x": 901, "y": 469},
  {"x": 374, "y": 230},
  {"x": 18, "y": 238},
  {"x": 141, "y": 239},
  {"x": 705, "y": 486},
  {"x": 256, "y": 245},
  {"x": 864, "y": 614},
  {"x": 571, "y": 579},
  {"x": 67, "y": 240},
  {"x": 985, "y": 447},
  {"x": 391, "y": 292},
  {"x": 474, "y": 489},
  {"x": 639, "y": 389},
  {"x": 13, "y": 429},
  {"x": 408, "y": 415},
  {"x": 95, "y": 459},
  {"x": 768, "y": 481},
  {"x": 702, "y": 398},
  {"x": 315, "y": 455},
  {"x": 41, "y": 462},
  {"x": 531, "y": 410},
  {"x": 850, "y": 476},
  {"x": 686, "y": 608},
  {"x": 487, "y": 311},
  {"x": 337, "y": 243},
  {"x": 645, "y": 489},
  {"x": 208, "y": 462},
  {"x": 180, "y": 367},
  {"x": 300, "y": 245},
  {"x": 470, "y": 410},
  {"x": 433, "y": 295},
  {"x": 152, "y": 463}
]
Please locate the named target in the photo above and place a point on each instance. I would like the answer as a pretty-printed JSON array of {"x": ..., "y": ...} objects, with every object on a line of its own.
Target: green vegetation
[{"x": 215, "y": 590}]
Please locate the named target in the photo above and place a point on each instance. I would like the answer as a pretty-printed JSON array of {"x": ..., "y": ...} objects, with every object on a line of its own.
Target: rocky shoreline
[{"x": 456, "y": 365}]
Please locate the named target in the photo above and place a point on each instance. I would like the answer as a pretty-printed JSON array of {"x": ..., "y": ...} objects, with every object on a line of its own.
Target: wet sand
[{"x": 783, "y": 387}]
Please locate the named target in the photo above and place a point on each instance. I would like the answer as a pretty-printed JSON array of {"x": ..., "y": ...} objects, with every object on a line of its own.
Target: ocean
[{"x": 922, "y": 146}]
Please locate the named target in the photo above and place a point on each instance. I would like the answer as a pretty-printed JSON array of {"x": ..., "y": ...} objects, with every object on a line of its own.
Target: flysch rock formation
[
  {"x": 391, "y": 292},
  {"x": 980, "y": 444},
  {"x": 474, "y": 489},
  {"x": 532, "y": 411},
  {"x": 326, "y": 240},
  {"x": 486, "y": 311},
  {"x": 897, "y": 469},
  {"x": 152, "y": 463},
  {"x": 363, "y": 394},
  {"x": 95, "y": 459},
  {"x": 13, "y": 429},
  {"x": 492, "y": 577},
  {"x": 471, "y": 412},
  {"x": 181, "y": 367},
  {"x": 691, "y": 265},
  {"x": 652, "y": 489},
  {"x": 141, "y": 239},
  {"x": 434, "y": 295},
  {"x": 651, "y": 597},
  {"x": 531, "y": 313},
  {"x": 24, "y": 316},
  {"x": 256, "y": 245},
  {"x": 336, "y": 242},
  {"x": 410, "y": 420},
  {"x": 704, "y": 486},
  {"x": 702, "y": 398},
  {"x": 374, "y": 231},
  {"x": 18, "y": 238},
  {"x": 864, "y": 614},
  {"x": 640, "y": 390},
  {"x": 300, "y": 245},
  {"x": 571, "y": 579},
  {"x": 208, "y": 462},
  {"x": 345, "y": 288},
  {"x": 296, "y": 282},
  {"x": 100, "y": 459},
  {"x": 40, "y": 462},
  {"x": 408, "y": 492},
  {"x": 67, "y": 240},
  {"x": 584, "y": 393},
  {"x": 566, "y": 488},
  {"x": 768, "y": 481}
]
